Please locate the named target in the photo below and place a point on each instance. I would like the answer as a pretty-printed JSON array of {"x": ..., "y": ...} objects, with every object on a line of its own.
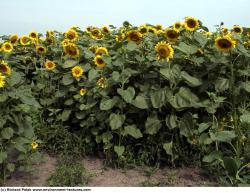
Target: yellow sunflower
[
  {"x": 119, "y": 37},
  {"x": 89, "y": 29},
  {"x": 105, "y": 29},
  {"x": 96, "y": 34},
  {"x": 237, "y": 29},
  {"x": 41, "y": 50},
  {"x": 134, "y": 36},
  {"x": 65, "y": 42},
  {"x": 2, "y": 80},
  {"x": 7, "y": 47},
  {"x": 99, "y": 62},
  {"x": 83, "y": 91},
  {"x": 34, "y": 145},
  {"x": 93, "y": 48},
  {"x": 101, "y": 51},
  {"x": 164, "y": 51},
  {"x": 177, "y": 25},
  {"x": 224, "y": 31},
  {"x": 143, "y": 29},
  {"x": 49, "y": 65},
  {"x": 71, "y": 50},
  {"x": 158, "y": 27},
  {"x": 225, "y": 43},
  {"x": 172, "y": 34},
  {"x": 13, "y": 38},
  {"x": 4, "y": 68},
  {"x": 152, "y": 30},
  {"x": 77, "y": 71},
  {"x": 191, "y": 23},
  {"x": 102, "y": 82},
  {"x": 33, "y": 36},
  {"x": 71, "y": 34},
  {"x": 25, "y": 40}
]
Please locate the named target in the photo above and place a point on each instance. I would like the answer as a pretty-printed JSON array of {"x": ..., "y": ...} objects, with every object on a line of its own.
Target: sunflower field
[{"x": 135, "y": 94}]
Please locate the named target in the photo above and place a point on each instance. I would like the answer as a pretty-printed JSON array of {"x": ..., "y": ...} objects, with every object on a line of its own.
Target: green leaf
[
  {"x": 87, "y": 106},
  {"x": 119, "y": 150},
  {"x": 221, "y": 84},
  {"x": 168, "y": 148},
  {"x": 140, "y": 102},
  {"x": 131, "y": 46},
  {"x": 230, "y": 165},
  {"x": 245, "y": 118},
  {"x": 93, "y": 74},
  {"x": 7, "y": 133},
  {"x": 160, "y": 97},
  {"x": 107, "y": 104},
  {"x": 116, "y": 76},
  {"x": 152, "y": 124},
  {"x": 199, "y": 37},
  {"x": 3, "y": 97},
  {"x": 67, "y": 79},
  {"x": 172, "y": 74},
  {"x": 215, "y": 155},
  {"x": 187, "y": 49},
  {"x": 190, "y": 80},
  {"x": 11, "y": 167},
  {"x": 116, "y": 121},
  {"x": 171, "y": 121},
  {"x": 133, "y": 131},
  {"x": 69, "y": 63},
  {"x": 3, "y": 156},
  {"x": 128, "y": 94},
  {"x": 65, "y": 114},
  {"x": 245, "y": 86},
  {"x": 14, "y": 79},
  {"x": 224, "y": 136},
  {"x": 203, "y": 126}
]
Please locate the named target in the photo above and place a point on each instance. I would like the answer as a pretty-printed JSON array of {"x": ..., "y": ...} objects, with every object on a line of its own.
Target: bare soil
[{"x": 101, "y": 176}]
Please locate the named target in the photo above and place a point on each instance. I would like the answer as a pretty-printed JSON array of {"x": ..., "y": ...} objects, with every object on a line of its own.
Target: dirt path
[{"x": 101, "y": 176}]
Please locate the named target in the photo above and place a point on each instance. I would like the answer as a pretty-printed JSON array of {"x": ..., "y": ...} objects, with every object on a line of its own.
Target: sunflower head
[
  {"x": 33, "y": 36},
  {"x": 164, "y": 51},
  {"x": 119, "y": 37},
  {"x": 96, "y": 34},
  {"x": 41, "y": 50},
  {"x": 34, "y": 145},
  {"x": 143, "y": 29},
  {"x": 101, "y": 51},
  {"x": 224, "y": 31},
  {"x": 25, "y": 40},
  {"x": 158, "y": 27},
  {"x": 99, "y": 62},
  {"x": 71, "y": 50},
  {"x": 4, "y": 68},
  {"x": 237, "y": 29},
  {"x": 246, "y": 44},
  {"x": 83, "y": 91},
  {"x": 105, "y": 29},
  {"x": 171, "y": 34},
  {"x": 2, "y": 80},
  {"x": 225, "y": 43},
  {"x": 102, "y": 82},
  {"x": 7, "y": 47},
  {"x": 13, "y": 38},
  {"x": 134, "y": 35},
  {"x": 71, "y": 34},
  {"x": 77, "y": 71},
  {"x": 152, "y": 30},
  {"x": 191, "y": 23},
  {"x": 177, "y": 25},
  {"x": 49, "y": 65},
  {"x": 248, "y": 34}
]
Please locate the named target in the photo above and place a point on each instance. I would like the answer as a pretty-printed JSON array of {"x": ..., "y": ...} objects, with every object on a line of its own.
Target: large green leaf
[
  {"x": 93, "y": 74},
  {"x": 87, "y": 106},
  {"x": 171, "y": 121},
  {"x": 187, "y": 49},
  {"x": 107, "y": 104},
  {"x": 116, "y": 121},
  {"x": 160, "y": 97},
  {"x": 140, "y": 102},
  {"x": 131, "y": 46},
  {"x": 69, "y": 63},
  {"x": 7, "y": 133},
  {"x": 152, "y": 124},
  {"x": 3, "y": 156},
  {"x": 67, "y": 79},
  {"x": 3, "y": 97},
  {"x": 231, "y": 166},
  {"x": 14, "y": 79},
  {"x": 127, "y": 94},
  {"x": 172, "y": 74},
  {"x": 65, "y": 114},
  {"x": 190, "y": 80},
  {"x": 201, "y": 38},
  {"x": 221, "y": 84},
  {"x": 215, "y": 155},
  {"x": 224, "y": 136},
  {"x": 168, "y": 148},
  {"x": 119, "y": 150},
  {"x": 133, "y": 131}
]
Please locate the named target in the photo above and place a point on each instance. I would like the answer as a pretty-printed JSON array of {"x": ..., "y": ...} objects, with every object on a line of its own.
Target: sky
[{"x": 22, "y": 16}]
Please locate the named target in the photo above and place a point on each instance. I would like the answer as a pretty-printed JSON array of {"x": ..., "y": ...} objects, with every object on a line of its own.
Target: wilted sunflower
[
  {"x": 99, "y": 62},
  {"x": 237, "y": 29},
  {"x": 83, "y": 91},
  {"x": 134, "y": 36},
  {"x": 191, "y": 23},
  {"x": 101, "y": 51},
  {"x": 225, "y": 43},
  {"x": 102, "y": 82},
  {"x": 71, "y": 50},
  {"x": 13, "y": 38},
  {"x": 77, "y": 71},
  {"x": 177, "y": 25},
  {"x": 71, "y": 34},
  {"x": 172, "y": 34},
  {"x": 25, "y": 40},
  {"x": 119, "y": 37},
  {"x": 105, "y": 29},
  {"x": 41, "y": 50},
  {"x": 2, "y": 80},
  {"x": 49, "y": 65},
  {"x": 4, "y": 68},
  {"x": 164, "y": 51},
  {"x": 7, "y": 47},
  {"x": 33, "y": 36}
]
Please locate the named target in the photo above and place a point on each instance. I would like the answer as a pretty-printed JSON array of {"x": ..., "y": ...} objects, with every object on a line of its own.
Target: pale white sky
[{"x": 23, "y": 16}]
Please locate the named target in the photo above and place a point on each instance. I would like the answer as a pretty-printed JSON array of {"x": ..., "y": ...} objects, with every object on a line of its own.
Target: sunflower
[
  {"x": 13, "y": 38},
  {"x": 41, "y": 50},
  {"x": 77, "y": 71},
  {"x": 96, "y": 34},
  {"x": 246, "y": 44},
  {"x": 143, "y": 29},
  {"x": 2, "y": 80},
  {"x": 158, "y": 27},
  {"x": 191, "y": 23},
  {"x": 4, "y": 68},
  {"x": 101, "y": 51},
  {"x": 93, "y": 48},
  {"x": 71, "y": 50},
  {"x": 172, "y": 34},
  {"x": 50, "y": 35},
  {"x": 102, "y": 82},
  {"x": 134, "y": 36},
  {"x": 71, "y": 34},
  {"x": 99, "y": 62},
  {"x": 89, "y": 29},
  {"x": 177, "y": 25},
  {"x": 83, "y": 91},
  {"x": 224, "y": 31},
  {"x": 33, "y": 36},
  {"x": 152, "y": 30},
  {"x": 248, "y": 34},
  {"x": 65, "y": 42},
  {"x": 25, "y": 40},
  {"x": 105, "y": 29},
  {"x": 7, "y": 47},
  {"x": 225, "y": 43},
  {"x": 49, "y": 65},
  {"x": 164, "y": 51},
  {"x": 237, "y": 29},
  {"x": 119, "y": 37},
  {"x": 34, "y": 145}
]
